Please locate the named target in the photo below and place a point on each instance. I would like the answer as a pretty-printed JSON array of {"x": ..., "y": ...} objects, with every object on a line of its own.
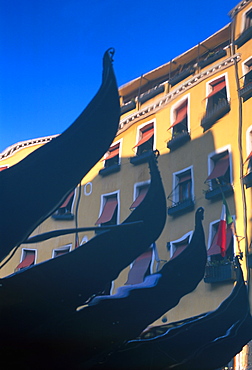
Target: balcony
[
  {"x": 181, "y": 76},
  {"x": 244, "y": 37},
  {"x": 219, "y": 273},
  {"x": 151, "y": 94},
  {"x": 212, "y": 58},
  {"x": 216, "y": 193},
  {"x": 109, "y": 170},
  {"x": 247, "y": 180},
  {"x": 178, "y": 140},
  {"x": 128, "y": 107},
  {"x": 181, "y": 207},
  {"x": 217, "y": 112},
  {"x": 142, "y": 158}
]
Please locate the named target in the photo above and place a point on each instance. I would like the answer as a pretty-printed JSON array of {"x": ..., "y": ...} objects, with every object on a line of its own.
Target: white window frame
[
  {"x": 103, "y": 201},
  {"x": 23, "y": 254},
  {"x": 211, "y": 235},
  {"x": 137, "y": 186},
  {"x": 209, "y": 87},
  {"x": 120, "y": 141},
  {"x": 174, "y": 242},
  {"x": 210, "y": 162},
  {"x": 244, "y": 17},
  {"x": 176, "y": 176},
  {"x": 138, "y": 135},
  {"x": 67, "y": 248},
  {"x": 176, "y": 106}
]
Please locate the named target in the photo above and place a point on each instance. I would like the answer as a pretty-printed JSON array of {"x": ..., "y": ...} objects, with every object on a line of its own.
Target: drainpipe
[{"x": 240, "y": 119}]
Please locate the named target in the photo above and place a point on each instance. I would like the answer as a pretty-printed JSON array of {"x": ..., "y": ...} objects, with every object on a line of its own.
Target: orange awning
[
  {"x": 27, "y": 261},
  {"x": 142, "y": 192},
  {"x": 181, "y": 115},
  {"x": 113, "y": 151},
  {"x": 108, "y": 211},
  {"x": 220, "y": 168},
  {"x": 146, "y": 135},
  {"x": 67, "y": 200},
  {"x": 217, "y": 86}
]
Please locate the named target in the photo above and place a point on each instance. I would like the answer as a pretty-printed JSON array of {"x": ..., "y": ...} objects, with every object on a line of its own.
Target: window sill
[
  {"x": 215, "y": 114},
  {"x": 220, "y": 273},
  {"x": 244, "y": 37},
  {"x": 247, "y": 180},
  {"x": 63, "y": 217},
  {"x": 142, "y": 158},
  {"x": 181, "y": 207},
  {"x": 181, "y": 76},
  {"x": 216, "y": 193},
  {"x": 108, "y": 170},
  {"x": 246, "y": 91},
  {"x": 178, "y": 140},
  {"x": 213, "y": 58}
]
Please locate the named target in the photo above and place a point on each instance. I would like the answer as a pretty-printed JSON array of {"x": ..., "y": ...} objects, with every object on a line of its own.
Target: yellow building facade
[{"x": 196, "y": 111}]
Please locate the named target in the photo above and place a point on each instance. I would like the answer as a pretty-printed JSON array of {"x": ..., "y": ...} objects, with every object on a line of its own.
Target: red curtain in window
[
  {"x": 142, "y": 192},
  {"x": 27, "y": 261},
  {"x": 108, "y": 211},
  {"x": 181, "y": 114},
  {"x": 220, "y": 168},
  {"x": 217, "y": 86},
  {"x": 147, "y": 133}
]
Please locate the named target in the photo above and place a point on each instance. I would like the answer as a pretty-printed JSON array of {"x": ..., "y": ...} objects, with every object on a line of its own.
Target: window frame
[
  {"x": 244, "y": 23},
  {"x": 211, "y": 164},
  {"x": 139, "y": 134},
  {"x": 176, "y": 176},
  {"x": 174, "y": 109},
  {"x": 209, "y": 88},
  {"x": 66, "y": 247},
  {"x": 23, "y": 256},
  {"x": 119, "y": 154},
  {"x": 103, "y": 202},
  {"x": 179, "y": 240},
  {"x": 211, "y": 234}
]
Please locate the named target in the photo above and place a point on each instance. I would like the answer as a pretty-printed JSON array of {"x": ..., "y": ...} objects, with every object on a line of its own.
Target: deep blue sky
[{"x": 51, "y": 52}]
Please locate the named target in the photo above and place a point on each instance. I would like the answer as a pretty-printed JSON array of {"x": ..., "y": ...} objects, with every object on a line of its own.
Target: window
[
  {"x": 109, "y": 210},
  {"x": 177, "y": 246},
  {"x": 180, "y": 120},
  {"x": 182, "y": 194},
  {"x": 62, "y": 250},
  {"x": 218, "y": 93},
  {"x": 214, "y": 251},
  {"x": 64, "y": 212},
  {"x": 246, "y": 29},
  {"x": 246, "y": 91},
  {"x": 140, "y": 268},
  {"x": 27, "y": 259},
  {"x": 145, "y": 139},
  {"x": 219, "y": 170},
  {"x": 139, "y": 194},
  {"x": 112, "y": 156},
  {"x": 248, "y": 20},
  {"x": 217, "y": 102},
  {"x": 183, "y": 186}
]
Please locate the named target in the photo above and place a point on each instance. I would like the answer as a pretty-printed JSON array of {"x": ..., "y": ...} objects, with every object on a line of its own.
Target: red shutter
[
  {"x": 220, "y": 168},
  {"x": 147, "y": 133},
  {"x": 142, "y": 192},
  {"x": 27, "y": 261},
  {"x": 181, "y": 114},
  {"x": 217, "y": 86}
]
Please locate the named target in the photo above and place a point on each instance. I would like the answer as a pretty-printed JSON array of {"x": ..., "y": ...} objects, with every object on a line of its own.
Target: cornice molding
[
  {"x": 238, "y": 7},
  {"x": 177, "y": 91},
  {"x": 24, "y": 144}
]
